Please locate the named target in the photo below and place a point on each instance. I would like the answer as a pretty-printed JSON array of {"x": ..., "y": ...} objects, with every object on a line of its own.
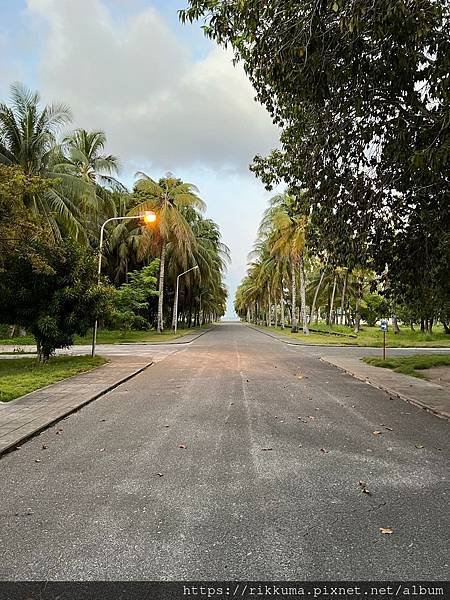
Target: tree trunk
[
  {"x": 357, "y": 313},
  {"x": 174, "y": 311},
  {"x": 446, "y": 327},
  {"x": 333, "y": 293},
  {"x": 160, "y": 326},
  {"x": 294, "y": 327},
  {"x": 344, "y": 290},
  {"x": 282, "y": 310},
  {"x": 395, "y": 327},
  {"x": 303, "y": 297},
  {"x": 316, "y": 293}
]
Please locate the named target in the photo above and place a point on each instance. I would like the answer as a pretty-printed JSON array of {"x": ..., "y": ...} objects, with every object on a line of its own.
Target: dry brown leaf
[
  {"x": 160, "y": 474},
  {"x": 386, "y": 530},
  {"x": 324, "y": 451},
  {"x": 419, "y": 446},
  {"x": 377, "y": 432},
  {"x": 182, "y": 446},
  {"x": 362, "y": 483},
  {"x": 44, "y": 446}
]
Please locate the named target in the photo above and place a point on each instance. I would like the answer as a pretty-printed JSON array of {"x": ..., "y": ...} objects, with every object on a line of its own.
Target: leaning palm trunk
[
  {"x": 316, "y": 293},
  {"x": 282, "y": 310},
  {"x": 294, "y": 327},
  {"x": 344, "y": 290},
  {"x": 303, "y": 297},
  {"x": 331, "y": 315},
  {"x": 160, "y": 326}
]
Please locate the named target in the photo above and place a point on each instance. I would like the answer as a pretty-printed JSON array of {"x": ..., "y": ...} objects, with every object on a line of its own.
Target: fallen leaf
[
  {"x": 377, "y": 432},
  {"x": 388, "y": 428},
  {"x": 419, "y": 446},
  {"x": 44, "y": 446},
  {"x": 324, "y": 451},
  {"x": 312, "y": 418},
  {"x": 362, "y": 483},
  {"x": 160, "y": 474},
  {"x": 366, "y": 491},
  {"x": 102, "y": 420},
  {"x": 317, "y": 408},
  {"x": 182, "y": 446},
  {"x": 37, "y": 460},
  {"x": 59, "y": 431},
  {"x": 102, "y": 449},
  {"x": 386, "y": 530},
  {"x": 266, "y": 449},
  {"x": 300, "y": 376},
  {"x": 300, "y": 445},
  {"x": 166, "y": 425},
  {"x": 231, "y": 403}
]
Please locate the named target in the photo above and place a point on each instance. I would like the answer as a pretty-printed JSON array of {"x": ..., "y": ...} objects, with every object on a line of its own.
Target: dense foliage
[
  {"x": 56, "y": 192},
  {"x": 361, "y": 93}
]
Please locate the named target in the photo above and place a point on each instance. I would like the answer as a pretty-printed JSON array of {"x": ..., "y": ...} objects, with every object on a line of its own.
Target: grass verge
[
  {"x": 410, "y": 365},
  {"x": 370, "y": 337},
  {"x": 107, "y": 336},
  {"x": 23, "y": 375}
]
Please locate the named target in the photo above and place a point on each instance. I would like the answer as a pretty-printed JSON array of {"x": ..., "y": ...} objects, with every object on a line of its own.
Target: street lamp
[
  {"x": 175, "y": 316},
  {"x": 148, "y": 217}
]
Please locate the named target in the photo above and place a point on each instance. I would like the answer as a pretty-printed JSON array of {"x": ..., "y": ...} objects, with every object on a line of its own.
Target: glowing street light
[{"x": 148, "y": 217}]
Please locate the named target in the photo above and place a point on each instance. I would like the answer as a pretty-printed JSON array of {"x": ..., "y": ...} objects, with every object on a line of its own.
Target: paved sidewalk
[
  {"x": 430, "y": 396},
  {"x": 22, "y": 418}
]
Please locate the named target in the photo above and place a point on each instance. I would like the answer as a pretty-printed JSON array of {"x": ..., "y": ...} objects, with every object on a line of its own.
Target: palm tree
[
  {"x": 167, "y": 198},
  {"x": 287, "y": 225},
  {"x": 81, "y": 155},
  {"x": 28, "y": 138}
]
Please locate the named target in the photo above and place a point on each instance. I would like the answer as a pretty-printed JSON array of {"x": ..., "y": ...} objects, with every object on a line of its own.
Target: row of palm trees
[
  {"x": 285, "y": 283},
  {"x": 84, "y": 191}
]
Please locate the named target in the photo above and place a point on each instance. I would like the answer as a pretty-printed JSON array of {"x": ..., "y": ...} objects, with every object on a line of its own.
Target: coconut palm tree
[
  {"x": 28, "y": 138},
  {"x": 81, "y": 155},
  {"x": 167, "y": 198},
  {"x": 287, "y": 224}
]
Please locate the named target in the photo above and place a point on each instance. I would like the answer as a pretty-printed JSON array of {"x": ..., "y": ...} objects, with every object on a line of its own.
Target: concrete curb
[
  {"x": 10, "y": 446},
  {"x": 443, "y": 414}
]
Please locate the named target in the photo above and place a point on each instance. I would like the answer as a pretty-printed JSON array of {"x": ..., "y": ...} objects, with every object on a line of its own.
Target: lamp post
[
  {"x": 148, "y": 217},
  {"x": 175, "y": 318}
]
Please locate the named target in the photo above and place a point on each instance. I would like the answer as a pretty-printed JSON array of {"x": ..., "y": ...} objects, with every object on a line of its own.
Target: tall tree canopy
[{"x": 361, "y": 93}]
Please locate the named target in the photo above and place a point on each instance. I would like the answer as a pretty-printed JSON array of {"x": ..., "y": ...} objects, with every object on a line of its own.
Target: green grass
[
  {"x": 106, "y": 336},
  {"x": 23, "y": 375},
  {"x": 409, "y": 365},
  {"x": 370, "y": 337}
]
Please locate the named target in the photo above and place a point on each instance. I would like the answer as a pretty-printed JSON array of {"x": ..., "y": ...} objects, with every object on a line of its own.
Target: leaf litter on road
[{"x": 386, "y": 530}]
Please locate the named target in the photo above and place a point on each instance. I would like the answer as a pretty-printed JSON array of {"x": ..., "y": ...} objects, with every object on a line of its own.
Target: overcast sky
[{"x": 167, "y": 98}]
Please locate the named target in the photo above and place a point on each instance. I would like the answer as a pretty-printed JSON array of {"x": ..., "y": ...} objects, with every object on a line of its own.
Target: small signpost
[{"x": 384, "y": 328}]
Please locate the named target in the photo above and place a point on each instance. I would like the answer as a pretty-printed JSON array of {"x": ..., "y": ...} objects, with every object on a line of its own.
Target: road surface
[{"x": 235, "y": 457}]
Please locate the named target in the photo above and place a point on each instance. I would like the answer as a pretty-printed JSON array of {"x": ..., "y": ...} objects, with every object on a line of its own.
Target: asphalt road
[{"x": 266, "y": 487}]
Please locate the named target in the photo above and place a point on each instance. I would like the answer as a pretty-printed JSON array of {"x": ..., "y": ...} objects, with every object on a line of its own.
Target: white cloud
[{"x": 139, "y": 83}]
